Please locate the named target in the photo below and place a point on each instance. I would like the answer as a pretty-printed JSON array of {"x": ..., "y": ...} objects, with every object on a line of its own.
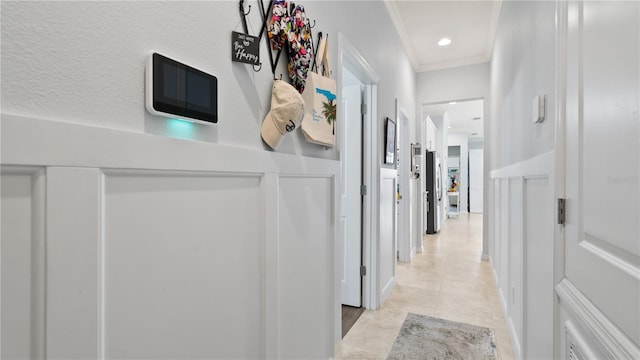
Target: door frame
[
  {"x": 350, "y": 189},
  {"x": 405, "y": 235},
  {"x": 350, "y": 58},
  {"x": 561, "y": 40}
]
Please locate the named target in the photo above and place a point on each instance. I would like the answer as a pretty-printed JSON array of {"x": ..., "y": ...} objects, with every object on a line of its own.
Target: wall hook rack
[
  {"x": 265, "y": 13},
  {"x": 314, "y": 65},
  {"x": 243, "y": 16}
]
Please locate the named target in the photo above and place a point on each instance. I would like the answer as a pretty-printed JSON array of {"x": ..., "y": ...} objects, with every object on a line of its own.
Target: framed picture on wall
[{"x": 389, "y": 141}]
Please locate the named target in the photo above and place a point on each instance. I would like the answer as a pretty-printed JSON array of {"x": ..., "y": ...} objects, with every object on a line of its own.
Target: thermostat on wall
[{"x": 177, "y": 90}]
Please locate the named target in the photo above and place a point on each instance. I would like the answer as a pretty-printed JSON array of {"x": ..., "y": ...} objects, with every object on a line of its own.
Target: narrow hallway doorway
[{"x": 448, "y": 281}]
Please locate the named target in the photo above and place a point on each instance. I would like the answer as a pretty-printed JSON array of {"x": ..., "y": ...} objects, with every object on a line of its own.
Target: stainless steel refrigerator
[{"x": 434, "y": 187}]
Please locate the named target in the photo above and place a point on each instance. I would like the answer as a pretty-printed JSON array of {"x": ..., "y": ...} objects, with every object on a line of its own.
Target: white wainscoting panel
[
  {"x": 504, "y": 276},
  {"x": 163, "y": 248},
  {"x": 179, "y": 261},
  {"x": 387, "y": 246},
  {"x": 516, "y": 284},
  {"x": 74, "y": 202},
  {"x": 523, "y": 253},
  {"x": 538, "y": 268},
  {"x": 305, "y": 223},
  {"x": 494, "y": 244},
  {"x": 22, "y": 260}
]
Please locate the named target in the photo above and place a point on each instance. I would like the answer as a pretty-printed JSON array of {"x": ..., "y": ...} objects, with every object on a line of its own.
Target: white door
[
  {"x": 351, "y": 197},
  {"x": 602, "y": 251},
  {"x": 476, "y": 164}
]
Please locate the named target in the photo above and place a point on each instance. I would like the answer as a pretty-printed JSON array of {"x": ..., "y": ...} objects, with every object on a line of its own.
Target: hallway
[{"x": 448, "y": 280}]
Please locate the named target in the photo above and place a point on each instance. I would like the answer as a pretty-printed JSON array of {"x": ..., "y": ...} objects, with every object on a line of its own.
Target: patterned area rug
[{"x": 425, "y": 337}]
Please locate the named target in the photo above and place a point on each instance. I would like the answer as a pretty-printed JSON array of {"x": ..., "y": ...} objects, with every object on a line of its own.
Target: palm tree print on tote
[
  {"x": 329, "y": 106},
  {"x": 329, "y": 111}
]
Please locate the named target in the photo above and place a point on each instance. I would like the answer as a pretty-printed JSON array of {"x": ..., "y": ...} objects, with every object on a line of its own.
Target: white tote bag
[{"x": 320, "y": 101}]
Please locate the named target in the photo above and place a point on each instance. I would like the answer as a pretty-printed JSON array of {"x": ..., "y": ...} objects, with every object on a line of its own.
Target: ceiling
[
  {"x": 471, "y": 26},
  {"x": 464, "y": 117}
]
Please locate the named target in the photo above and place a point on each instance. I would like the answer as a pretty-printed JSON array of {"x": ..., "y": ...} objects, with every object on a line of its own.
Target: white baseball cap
[{"x": 286, "y": 114}]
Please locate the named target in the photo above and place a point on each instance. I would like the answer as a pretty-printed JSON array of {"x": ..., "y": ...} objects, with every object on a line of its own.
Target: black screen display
[{"x": 184, "y": 91}]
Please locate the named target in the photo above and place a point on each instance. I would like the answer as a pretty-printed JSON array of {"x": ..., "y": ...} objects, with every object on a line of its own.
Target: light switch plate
[{"x": 538, "y": 109}]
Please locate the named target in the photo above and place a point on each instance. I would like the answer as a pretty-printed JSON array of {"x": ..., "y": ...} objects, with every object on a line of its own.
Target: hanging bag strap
[
  {"x": 322, "y": 46},
  {"x": 322, "y": 57},
  {"x": 325, "y": 58}
]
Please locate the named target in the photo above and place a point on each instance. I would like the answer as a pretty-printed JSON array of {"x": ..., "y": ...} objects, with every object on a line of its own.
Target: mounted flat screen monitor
[{"x": 177, "y": 90}]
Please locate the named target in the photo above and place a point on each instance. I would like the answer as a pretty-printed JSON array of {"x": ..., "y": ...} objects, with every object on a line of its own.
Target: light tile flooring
[{"x": 448, "y": 280}]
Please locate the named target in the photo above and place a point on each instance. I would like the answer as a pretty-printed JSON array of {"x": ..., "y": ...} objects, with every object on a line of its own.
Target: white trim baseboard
[{"x": 515, "y": 343}]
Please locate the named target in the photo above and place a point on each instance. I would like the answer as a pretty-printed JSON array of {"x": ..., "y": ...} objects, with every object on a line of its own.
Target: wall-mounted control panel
[
  {"x": 416, "y": 155},
  {"x": 176, "y": 90}
]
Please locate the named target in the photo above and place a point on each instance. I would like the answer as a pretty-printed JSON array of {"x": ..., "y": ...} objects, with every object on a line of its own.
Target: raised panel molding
[
  {"x": 602, "y": 251},
  {"x": 516, "y": 241},
  {"x": 538, "y": 272},
  {"x": 505, "y": 260},
  {"x": 23, "y": 280},
  {"x": 539, "y": 165},
  {"x": 73, "y": 262},
  {"x": 271, "y": 225},
  {"x": 602, "y": 333},
  {"x": 179, "y": 261},
  {"x": 511, "y": 243},
  {"x": 306, "y": 271},
  {"x": 576, "y": 347},
  {"x": 624, "y": 260},
  {"x": 102, "y": 189}
]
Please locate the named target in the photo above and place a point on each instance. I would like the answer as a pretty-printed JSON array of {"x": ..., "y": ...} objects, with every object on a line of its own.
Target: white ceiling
[
  {"x": 471, "y": 25},
  {"x": 464, "y": 117}
]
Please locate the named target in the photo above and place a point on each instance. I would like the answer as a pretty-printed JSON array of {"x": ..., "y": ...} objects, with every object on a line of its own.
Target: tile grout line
[{"x": 447, "y": 257}]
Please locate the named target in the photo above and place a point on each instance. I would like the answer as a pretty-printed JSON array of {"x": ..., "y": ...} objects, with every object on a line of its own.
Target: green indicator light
[{"x": 181, "y": 128}]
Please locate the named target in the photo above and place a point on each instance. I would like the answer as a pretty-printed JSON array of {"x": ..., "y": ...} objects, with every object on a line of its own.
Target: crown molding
[
  {"x": 392, "y": 9},
  {"x": 493, "y": 27},
  {"x": 394, "y": 14},
  {"x": 453, "y": 63}
]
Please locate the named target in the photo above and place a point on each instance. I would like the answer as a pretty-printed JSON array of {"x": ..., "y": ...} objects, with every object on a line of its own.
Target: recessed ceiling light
[
  {"x": 452, "y": 103},
  {"x": 444, "y": 41}
]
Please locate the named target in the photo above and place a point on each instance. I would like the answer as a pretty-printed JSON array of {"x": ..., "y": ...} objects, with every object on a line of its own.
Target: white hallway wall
[
  {"x": 522, "y": 188},
  {"x": 86, "y": 63},
  {"x": 83, "y": 63},
  {"x": 528, "y": 250},
  {"x": 135, "y": 246},
  {"x": 461, "y": 83}
]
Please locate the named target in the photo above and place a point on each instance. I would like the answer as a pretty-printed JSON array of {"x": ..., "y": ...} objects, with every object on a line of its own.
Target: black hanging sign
[{"x": 245, "y": 48}]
